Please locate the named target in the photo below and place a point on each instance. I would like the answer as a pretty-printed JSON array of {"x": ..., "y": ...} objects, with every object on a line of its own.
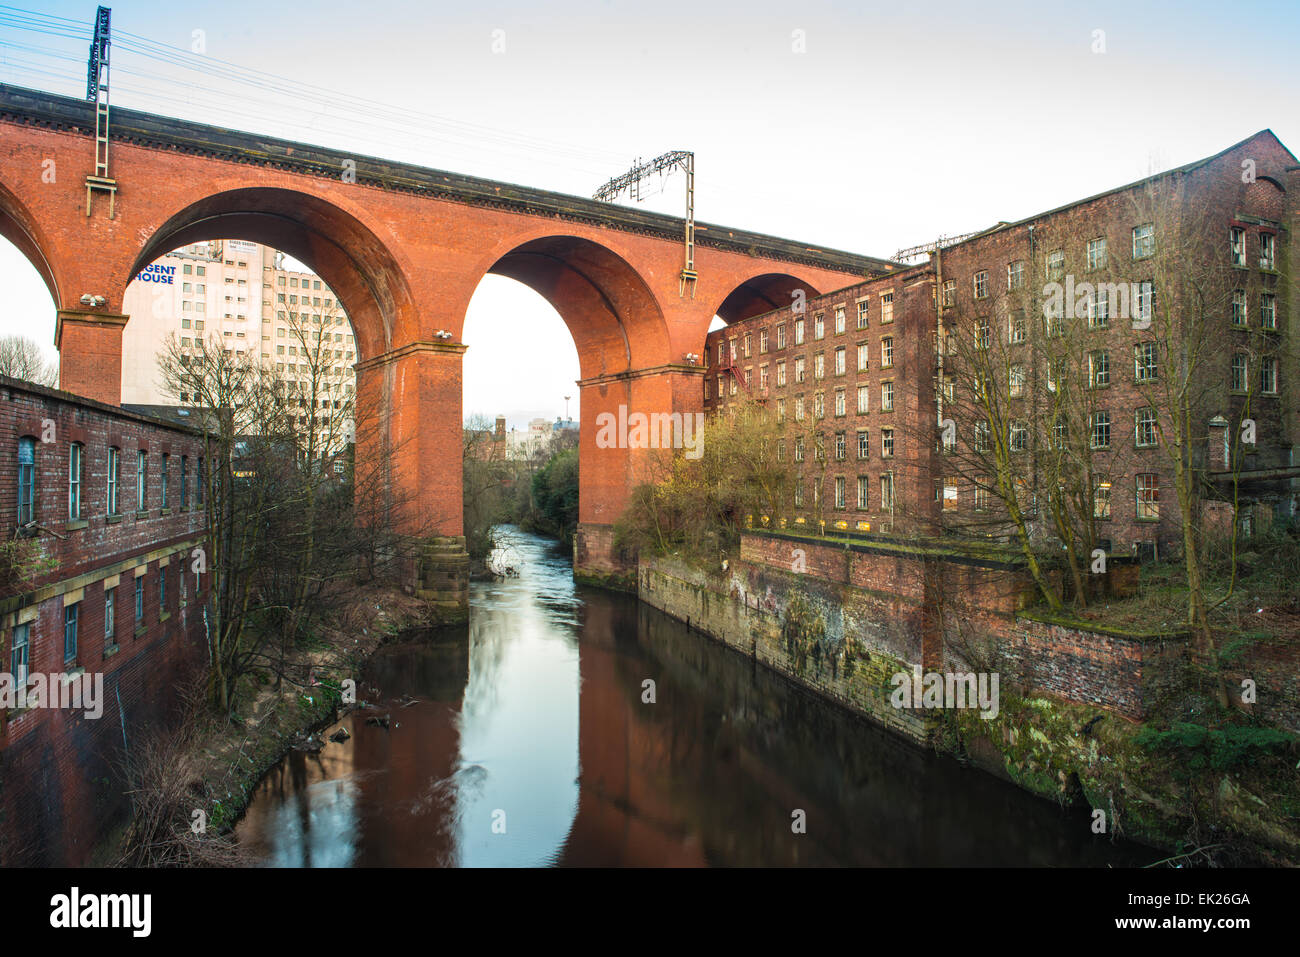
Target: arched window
[{"x": 26, "y": 480}]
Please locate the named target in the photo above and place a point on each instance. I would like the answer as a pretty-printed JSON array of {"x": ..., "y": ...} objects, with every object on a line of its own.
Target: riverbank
[
  {"x": 1204, "y": 801},
  {"x": 203, "y": 772}
]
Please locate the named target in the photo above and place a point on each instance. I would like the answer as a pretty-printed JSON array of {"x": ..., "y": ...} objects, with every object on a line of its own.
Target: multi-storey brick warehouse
[
  {"x": 1073, "y": 335},
  {"x": 848, "y": 373},
  {"x": 103, "y": 511}
]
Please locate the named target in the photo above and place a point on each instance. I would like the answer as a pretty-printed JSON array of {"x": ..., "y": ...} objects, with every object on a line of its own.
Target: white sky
[{"x": 897, "y": 123}]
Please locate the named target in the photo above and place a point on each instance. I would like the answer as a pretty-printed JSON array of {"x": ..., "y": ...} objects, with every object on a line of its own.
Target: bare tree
[{"x": 21, "y": 358}]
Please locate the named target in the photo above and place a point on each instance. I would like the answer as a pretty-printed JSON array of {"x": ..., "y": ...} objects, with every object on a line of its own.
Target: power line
[{"x": 367, "y": 114}]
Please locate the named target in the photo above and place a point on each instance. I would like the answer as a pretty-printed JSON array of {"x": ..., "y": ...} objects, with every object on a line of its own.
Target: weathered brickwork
[
  {"x": 61, "y": 780},
  {"x": 960, "y": 613}
]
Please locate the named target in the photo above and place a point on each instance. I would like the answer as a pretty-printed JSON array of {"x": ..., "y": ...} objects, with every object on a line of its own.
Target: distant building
[{"x": 241, "y": 294}]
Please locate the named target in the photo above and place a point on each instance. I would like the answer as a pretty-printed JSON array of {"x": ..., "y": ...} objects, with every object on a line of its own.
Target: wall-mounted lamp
[
  {"x": 442, "y": 334},
  {"x": 692, "y": 358},
  {"x": 89, "y": 300}
]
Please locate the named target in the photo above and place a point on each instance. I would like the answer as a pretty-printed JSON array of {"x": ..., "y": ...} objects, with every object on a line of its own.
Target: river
[{"x": 572, "y": 726}]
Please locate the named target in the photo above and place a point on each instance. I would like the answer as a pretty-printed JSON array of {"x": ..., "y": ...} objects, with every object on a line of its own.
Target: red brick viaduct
[{"x": 405, "y": 248}]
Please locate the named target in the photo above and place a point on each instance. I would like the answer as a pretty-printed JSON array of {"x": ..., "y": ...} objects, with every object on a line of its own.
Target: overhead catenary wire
[{"x": 278, "y": 99}]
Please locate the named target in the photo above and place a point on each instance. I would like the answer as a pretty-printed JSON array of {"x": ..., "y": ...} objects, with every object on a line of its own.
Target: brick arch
[
  {"x": 358, "y": 266},
  {"x": 614, "y": 318},
  {"x": 19, "y": 227},
  {"x": 762, "y": 293}
]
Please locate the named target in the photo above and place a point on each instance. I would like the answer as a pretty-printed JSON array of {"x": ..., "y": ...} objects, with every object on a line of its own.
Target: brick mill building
[
  {"x": 102, "y": 510},
  {"x": 1196, "y": 262}
]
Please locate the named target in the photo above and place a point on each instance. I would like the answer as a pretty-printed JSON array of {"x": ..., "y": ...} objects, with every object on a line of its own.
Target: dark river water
[{"x": 523, "y": 739}]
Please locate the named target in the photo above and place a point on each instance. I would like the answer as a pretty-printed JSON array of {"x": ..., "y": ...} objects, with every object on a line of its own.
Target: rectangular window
[
  {"x": 164, "y": 476},
  {"x": 949, "y": 298},
  {"x": 1144, "y": 307},
  {"x": 887, "y": 492},
  {"x": 981, "y": 499},
  {"x": 887, "y": 443},
  {"x": 982, "y": 436},
  {"x": 799, "y": 375},
  {"x": 948, "y": 493},
  {"x": 1239, "y": 307},
  {"x": 1017, "y": 381},
  {"x": 887, "y": 352},
  {"x": 70, "y": 615},
  {"x": 980, "y": 282},
  {"x": 139, "y": 599},
  {"x": 780, "y": 372},
  {"x": 864, "y": 446},
  {"x": 114, "y": 470},
  {"x": 1097, "y": 253},
  {"x": 839, "y": 491},
  {"x": 819, "y": 366},
  {"x": 26, "y": 480},
  {"x": 1056, "y": 265},
  {"x": 840, "y": 405},
  {"x": 1144, "y": 240},
  {"x": 819, "y": 405},
  {"x": 862, "y": 313},
  {"x": 185, "y": 481},
  {"x": 1101, "y": 497},
  {"x": 1148, "y": 496},
  {"x": 1015, "y": 275},
  {"x": 863, "y": 485},
  {"x": 162, "y": 592},
  {"x": 746, "y": 343},
  {"x": 141, "y": 477},
  {"x": 841, "y": 446},
  {"x": 887, "y": 397},
  {"x": 1019, "y": 436},
  {"x": 74, "y": 481},
  {"x": 1237, "y": 244},
  {"x": 819, "y": 326},
  {"x": 1268, "y": 310},
  {"x": 110, "y": 616},
  {"x": 780, "y": 335},
  {"x": 863, "y": 400},
  {"x": 19, "y": 655},
  {"x": 1100, "y": 429},
  {"x": 839, "y": 320},
  {"x": 839, "y": 361},
  {"x": 983, "y": 333},
  {"x": 1017, "y": 327},
  {"x": 1266, "y": 248},
  {"x": 1098, "y": 369},
  {"x": 798, "y": 448},
  {"x": 887, "y": 307},
  {"x": 1144, "y": 361},
  {"x": 762, "y": 341},
  {"x": 1099, "y": 307},
  {"x": 798, "y": 408},
  {"x": 863, "y": 352},
  {"x": 1268, "y": 375},
  {"x": 1240, "y": 372},
  {"x": 1145, "y": 428}
]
